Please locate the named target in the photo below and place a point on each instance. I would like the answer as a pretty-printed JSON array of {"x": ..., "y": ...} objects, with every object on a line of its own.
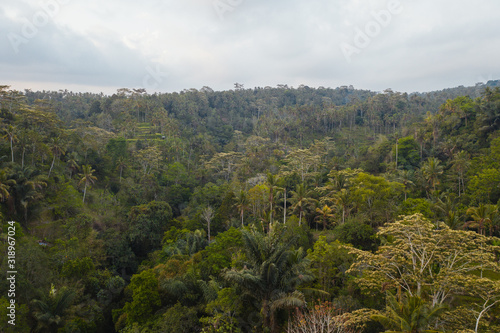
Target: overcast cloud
[{"x": 171, "y": 45}]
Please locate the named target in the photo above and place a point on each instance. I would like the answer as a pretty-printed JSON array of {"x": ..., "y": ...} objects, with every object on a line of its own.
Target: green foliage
[
  {"x": 147, "y": 224},
  {"x": 483, "y": 187},
  {"x": 22, "y": 321},
  {"x": 417, "y": 205},
  {"x": 329, "y": 262},
  {"x": 117, "y": 148},
  {"x": 50, "y": 311},
  {"x": 408, "y": 153},
  {"x": 66, "y": 201},
  {"x": 411, "y": 314},
  {"x": 219, "y": 324},
  {"x": 375, "y": 196},
  {"x": 358, "y": 234},
  {"x": 271, "y": 274},
  {"x": 431, "y": 262},
  {"x": 173, "y": 235},
  {"x": 77, "y": 268},
  {"x": 187, "y": 243},
  {"x": 144, "y": 159},
  {"x": 218, "y": 255},
  {"x": 145, "y": 297},
  {"x": 178, "y": 318}
]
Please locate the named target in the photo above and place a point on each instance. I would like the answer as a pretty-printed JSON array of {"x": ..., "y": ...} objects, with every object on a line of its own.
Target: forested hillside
[{"x": 273, "y": 209}]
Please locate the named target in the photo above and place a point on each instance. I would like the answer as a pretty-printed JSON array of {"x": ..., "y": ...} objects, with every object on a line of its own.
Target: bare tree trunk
[
  {"x": 52, "y": 165},
  {"x": 11, "y": 149},
  {"x": 84, "y": 192},
  {"x": 284, "y": 209}
]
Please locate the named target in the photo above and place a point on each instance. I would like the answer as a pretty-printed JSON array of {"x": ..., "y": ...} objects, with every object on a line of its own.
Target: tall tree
[
  {"x": 423, "y": 258},
  {"x": 57, "y": 148},
  {"x": 482, "y": 216},
  {"x": 432, "y": 170},
  {"x": 242, "y": 204},
  {"x": 50, "y": 311},
  {"x": 271, "y": 274},
  {"x": 461, "y": 163},
  {"x": 10, "y": 134},
  {"x": 301, "y": 199},
  {"x": 87, "y": 178},
  {"x": 207, "y": 214},
  {"x": 121, "y": 163},
  {"x": 272, "y": 184},
  {"x": 411, "y": 314},
  {"x": 5, "y": 184},
  {"x": 324, "y": 215}
]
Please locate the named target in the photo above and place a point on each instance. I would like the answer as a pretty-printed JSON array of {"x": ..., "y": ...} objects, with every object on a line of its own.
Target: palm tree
[
  {"x": 405, "y": 177},
  {"x": 272, "y": 183},
  {"x": 50, "y": 311},
  {"x": 57, "y": 148},
  {"x": 324, "y": 214},
  {"x": 87, "y": 178},
  {"x": 10, "y": 134},
  {"x": 24, "y": 141},
  {"x": 409, "y": 315},
  {"x": 272, "y": 273},
  {"x": 120, "y": 165},
  {"x": 343, "y": 200},
  {"x": 242, "y": 204},
  {"x": 5, "y": 185},
  {"x": 481, "y": 216},
  {"x": 431, "y": 170},
  {"x": 301, "y": 199},
  {"x": 461, "y": 162},
  {"x": 28, "y": 184},
  {"x": 72, "y": 164},
  {"x": 420, "y": 138}
]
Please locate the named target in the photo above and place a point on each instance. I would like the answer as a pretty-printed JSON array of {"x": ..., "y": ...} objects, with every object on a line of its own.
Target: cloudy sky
[{"x": 171, "y": 45}]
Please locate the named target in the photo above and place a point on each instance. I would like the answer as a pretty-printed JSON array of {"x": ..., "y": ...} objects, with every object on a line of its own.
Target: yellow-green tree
[
  {"x": 425, "y": 259},
  {"x": 375, "y": 196},
  {"x": 325, "y": 214}
]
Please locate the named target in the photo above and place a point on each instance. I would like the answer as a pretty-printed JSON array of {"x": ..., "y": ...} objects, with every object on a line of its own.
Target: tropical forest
[{"x": 268, "y": 209}]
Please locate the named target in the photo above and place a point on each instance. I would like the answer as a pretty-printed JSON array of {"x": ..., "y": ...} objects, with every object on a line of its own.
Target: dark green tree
[{"x": 272, "y": 273}]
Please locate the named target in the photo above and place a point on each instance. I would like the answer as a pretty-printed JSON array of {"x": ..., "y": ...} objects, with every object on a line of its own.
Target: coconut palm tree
[
  {"x": 461, "y": 162},
  {"x": 324, "y": 214},
  {"x": 482, "y": 216},
  {"x": 241, "y": 204},
  {"x": 409, "y": 315},
  {"x": 405, "y": 177},
  {"x": 272, "y": 184},
  {"x": 10, "y": 134},
  {"x": 50, "y": 311},
  {"x": 301, "y": 199},
  {"x": 87, "y": 178},
  {"x": 343, "y": 200},
  {"x": 120, "y": 165},
  {"x": 72, "y": 164},
  {"x": 57, "y": 148},
  {"x": 431, "y": 170},
  {"x": 5, "y": 185},
  {"x": 272, "y": 273},
  {"x": 26, "y": 186}
]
